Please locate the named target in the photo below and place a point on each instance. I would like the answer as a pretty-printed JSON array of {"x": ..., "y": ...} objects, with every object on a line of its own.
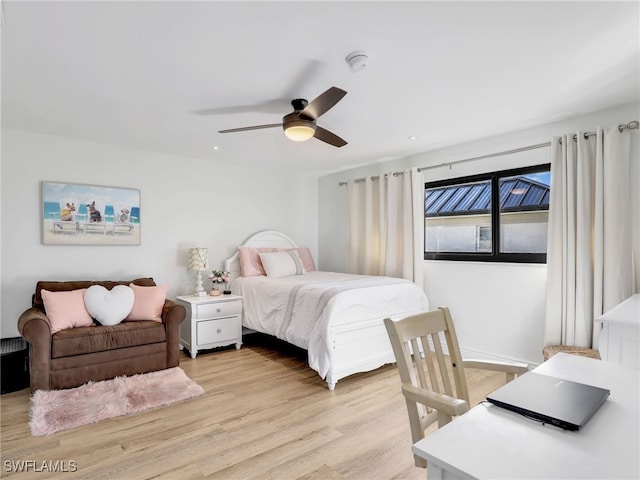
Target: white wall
[
  {"x": 184, "y": 203},
  {"x": 498, "y": 308}
]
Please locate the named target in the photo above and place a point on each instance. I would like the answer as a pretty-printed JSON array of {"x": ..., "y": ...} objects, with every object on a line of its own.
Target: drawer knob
[
  {"x": 219, "y": 330},
  {"x": 219, "y": 310}
]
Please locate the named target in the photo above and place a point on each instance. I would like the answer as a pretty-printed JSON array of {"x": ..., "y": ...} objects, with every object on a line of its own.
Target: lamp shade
[{"x": 198, "y": 259}]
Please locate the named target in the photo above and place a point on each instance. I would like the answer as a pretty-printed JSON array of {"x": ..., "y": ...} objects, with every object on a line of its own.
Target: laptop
[{"x": 565, "y": 404}]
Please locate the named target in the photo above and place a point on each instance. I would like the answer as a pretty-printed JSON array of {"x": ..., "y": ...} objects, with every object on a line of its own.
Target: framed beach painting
[{"x": 74, "y": 214}]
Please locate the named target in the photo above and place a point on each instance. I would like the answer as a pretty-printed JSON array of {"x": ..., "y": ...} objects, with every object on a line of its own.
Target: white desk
[
  {"x": 619, "y": 339},
  {"x": 491, "y": 442}
]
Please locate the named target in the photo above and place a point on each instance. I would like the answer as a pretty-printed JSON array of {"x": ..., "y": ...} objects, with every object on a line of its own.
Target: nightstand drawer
[
  {"x": 212, "y": 331},
  {"x": 218, "y": 309}
]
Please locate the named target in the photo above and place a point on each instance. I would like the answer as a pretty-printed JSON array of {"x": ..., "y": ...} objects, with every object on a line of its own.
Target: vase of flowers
[{"x": 220, "y": 278}]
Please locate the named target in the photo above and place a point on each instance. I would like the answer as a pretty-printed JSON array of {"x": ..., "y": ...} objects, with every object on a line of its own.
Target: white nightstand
[{"x": 211, "y": 322}]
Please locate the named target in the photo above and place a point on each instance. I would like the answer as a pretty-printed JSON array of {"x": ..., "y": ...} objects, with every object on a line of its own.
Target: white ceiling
[{"x": 142, "y": 74}]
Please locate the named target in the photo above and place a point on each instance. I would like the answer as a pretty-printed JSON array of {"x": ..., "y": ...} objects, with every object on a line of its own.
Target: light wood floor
[{"x": 265, "y": 415}]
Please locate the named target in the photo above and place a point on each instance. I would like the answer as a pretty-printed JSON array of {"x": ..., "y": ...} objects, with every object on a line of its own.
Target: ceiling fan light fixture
[
  {"x": 299, "y": 133},
  {"x": 298, "y": 129}
]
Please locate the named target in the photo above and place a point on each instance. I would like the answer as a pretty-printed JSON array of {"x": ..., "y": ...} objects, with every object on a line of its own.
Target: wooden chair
[{"x": 429, "y": 392}]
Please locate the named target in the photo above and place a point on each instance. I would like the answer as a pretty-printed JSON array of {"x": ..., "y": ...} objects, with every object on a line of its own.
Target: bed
[{"x": 336, "y": 317}]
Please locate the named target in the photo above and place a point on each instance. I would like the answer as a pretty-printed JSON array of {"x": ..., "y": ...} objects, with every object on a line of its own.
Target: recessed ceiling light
[
  {"x": 216, "y": 147},
  {"x": 412, "y": 137}
]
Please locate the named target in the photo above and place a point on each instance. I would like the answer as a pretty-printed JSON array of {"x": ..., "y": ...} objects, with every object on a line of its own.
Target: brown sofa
[{"x": 72, "y": 357}]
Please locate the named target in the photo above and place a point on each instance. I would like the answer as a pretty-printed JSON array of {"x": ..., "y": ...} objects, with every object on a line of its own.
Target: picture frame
[{"x": 78, "y": 214}]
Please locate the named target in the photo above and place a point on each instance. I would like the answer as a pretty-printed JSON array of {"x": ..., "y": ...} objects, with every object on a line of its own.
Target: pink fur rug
[{"x": 55, "y": 410}]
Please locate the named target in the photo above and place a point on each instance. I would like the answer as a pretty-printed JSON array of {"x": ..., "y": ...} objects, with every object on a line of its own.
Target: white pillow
[
  {"x": 282, "y": 264},
  {"x": 109, "y": 307}
]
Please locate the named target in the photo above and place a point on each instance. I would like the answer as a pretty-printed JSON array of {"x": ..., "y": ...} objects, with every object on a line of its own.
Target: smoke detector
[{"x": 357, "y": 61}]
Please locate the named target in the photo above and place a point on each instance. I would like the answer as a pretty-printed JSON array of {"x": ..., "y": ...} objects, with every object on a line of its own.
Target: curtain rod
[
  {"x": 633, "y": 125},
  {"x": 623, "y": 126},
  {"x": 506, "y": 152}
]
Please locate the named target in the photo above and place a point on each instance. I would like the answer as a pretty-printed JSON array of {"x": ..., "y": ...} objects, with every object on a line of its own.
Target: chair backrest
[
  {"x": 82, "y": 214},
  {"x": 109, "y": 213},
  {"x": 134, "y": 215},
  {"x": 429, "y": 375}
]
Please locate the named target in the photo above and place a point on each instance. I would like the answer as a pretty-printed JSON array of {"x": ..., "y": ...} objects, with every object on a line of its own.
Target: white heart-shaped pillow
[{"x": 109, "y": 307}]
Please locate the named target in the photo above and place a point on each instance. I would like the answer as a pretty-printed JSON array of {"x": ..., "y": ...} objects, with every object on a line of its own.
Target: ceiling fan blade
[
  {"x": 322, "y": 103},
  {"x": 328, "y": 137},
  {"x": 255, "y": 127},
  {"x": 277, "y": 105}
]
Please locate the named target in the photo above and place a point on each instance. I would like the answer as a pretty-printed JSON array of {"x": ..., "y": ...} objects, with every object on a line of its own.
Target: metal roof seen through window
[{"x": 516, "y": 194}]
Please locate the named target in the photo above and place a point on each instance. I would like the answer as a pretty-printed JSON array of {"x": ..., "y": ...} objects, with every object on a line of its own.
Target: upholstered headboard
[{"x": 264, "y": 238}]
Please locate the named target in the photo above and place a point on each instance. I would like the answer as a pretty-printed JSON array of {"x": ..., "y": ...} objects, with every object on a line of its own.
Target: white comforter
[{"x": 300, "y": 309}]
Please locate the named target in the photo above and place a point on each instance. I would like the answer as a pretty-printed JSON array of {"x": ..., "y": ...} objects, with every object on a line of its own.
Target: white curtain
[
  {"x": 589, "y": 254},
  {"x": 385, "y": 231}
]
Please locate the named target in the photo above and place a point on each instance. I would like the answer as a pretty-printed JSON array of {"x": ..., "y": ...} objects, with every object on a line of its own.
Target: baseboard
[{"x": 468, "y": 354}]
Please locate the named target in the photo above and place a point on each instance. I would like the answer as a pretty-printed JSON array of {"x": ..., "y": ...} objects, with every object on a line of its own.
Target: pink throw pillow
[
  {"x": 307, "y": 259},
  {"x": 66, "y": 309},
  {"x": 250, "y": 263},
  {"x": 148, "y": 302}
]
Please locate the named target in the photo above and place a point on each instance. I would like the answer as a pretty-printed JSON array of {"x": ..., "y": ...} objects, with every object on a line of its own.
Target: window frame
[{"x": 495, "y": 255}]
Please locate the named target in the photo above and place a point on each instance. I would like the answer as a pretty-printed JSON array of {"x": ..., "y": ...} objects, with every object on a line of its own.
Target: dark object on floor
[{"x": 14, "y": 362}]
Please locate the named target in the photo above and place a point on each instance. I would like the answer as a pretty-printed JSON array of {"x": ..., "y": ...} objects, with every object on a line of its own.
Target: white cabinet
[
  {"x": 619, "y": 340},
  {"x": 211, "y": 322}
]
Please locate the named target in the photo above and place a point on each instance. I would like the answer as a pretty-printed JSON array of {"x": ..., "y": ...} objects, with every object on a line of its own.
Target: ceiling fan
[{"x": 300, "y": 125}]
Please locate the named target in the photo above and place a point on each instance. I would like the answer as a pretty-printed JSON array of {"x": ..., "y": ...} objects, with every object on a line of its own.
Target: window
[
  {"x": 484, "y": 238},
  {"x": 499, "y": 216}
]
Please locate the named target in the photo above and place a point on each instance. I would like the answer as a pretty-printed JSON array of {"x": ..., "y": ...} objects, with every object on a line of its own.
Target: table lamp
[{"x": 198, "y": 261}]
